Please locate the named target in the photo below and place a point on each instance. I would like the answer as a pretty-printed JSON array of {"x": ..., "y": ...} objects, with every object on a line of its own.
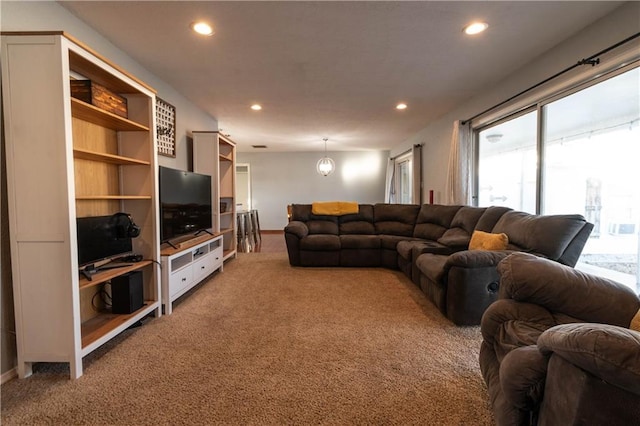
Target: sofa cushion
[
  {"x": 320, "y": 242},
  {"x": 545, "y": 235},
  {"x": 490, "y": 217},
  {"x": 317, "y": 224},
  {"x": 359, "y": 241},
  {"x": 434, "y": 220},
  {"x": 606, "y": 351},
  {"x": 404, "y": 248},
  {"x": 360, "y": 223},
  {"x": 487, "y": 241},
  {"x": 390, "y": 242},
  {"x": 395, "y": 219},
  {"x": 462, "y": 225},
  {"x": 432, "y": 266},
  {"x": 408, "y": 248}
]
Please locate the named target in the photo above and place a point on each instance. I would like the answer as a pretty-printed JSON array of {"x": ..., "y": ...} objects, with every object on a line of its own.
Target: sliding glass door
[
  {"x": 591, "y": 166},
  {"x": 507, "y": 165}
]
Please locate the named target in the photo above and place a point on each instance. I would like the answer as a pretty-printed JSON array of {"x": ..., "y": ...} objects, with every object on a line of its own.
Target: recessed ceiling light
[
  {"x": 476, "y": 28},
  {"x": 401, "y": 106},
  {"x": 256, "y": 107},
  {"x": 202, "y": 28}
]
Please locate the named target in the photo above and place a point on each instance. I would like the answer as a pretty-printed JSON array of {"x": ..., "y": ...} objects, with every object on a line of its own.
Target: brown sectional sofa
[{"x": 429, "y": 243}]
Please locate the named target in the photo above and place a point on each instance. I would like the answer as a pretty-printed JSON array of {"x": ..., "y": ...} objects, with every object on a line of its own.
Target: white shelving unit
[
  {"x": 183, "y": 268},
  {"x": 68, "y": 159},
  {"x": 215, "y": 155}
]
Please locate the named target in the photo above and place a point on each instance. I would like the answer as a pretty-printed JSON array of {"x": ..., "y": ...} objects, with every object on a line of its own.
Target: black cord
[{"x": 105, "y": 298}]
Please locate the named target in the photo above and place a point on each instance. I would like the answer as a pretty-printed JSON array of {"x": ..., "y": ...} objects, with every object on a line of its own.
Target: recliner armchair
[{"x": 559, "y": 346}]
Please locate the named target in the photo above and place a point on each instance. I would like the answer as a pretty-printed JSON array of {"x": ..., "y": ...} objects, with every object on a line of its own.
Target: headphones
[{"x": 125, "y": 226}]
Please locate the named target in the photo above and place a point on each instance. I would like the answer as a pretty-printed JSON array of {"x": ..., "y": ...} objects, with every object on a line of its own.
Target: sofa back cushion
[
  {"x": 395, "y": 219},
  {"x": 462, "y": 226},
  {"x": 360, "y": 223},
  {"x": 317, "y": 224},
  {"x": 490, "y": 217},
  {"x": 433, "y": 221},
  {"x": 548, "y": 236}
]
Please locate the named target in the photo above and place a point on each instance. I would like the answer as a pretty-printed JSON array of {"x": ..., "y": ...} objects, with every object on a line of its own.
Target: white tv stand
[{"x": 186, "y": 266}]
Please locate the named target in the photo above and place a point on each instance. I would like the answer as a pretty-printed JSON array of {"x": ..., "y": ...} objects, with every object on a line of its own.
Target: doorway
[{"x": 243, "y": 186}]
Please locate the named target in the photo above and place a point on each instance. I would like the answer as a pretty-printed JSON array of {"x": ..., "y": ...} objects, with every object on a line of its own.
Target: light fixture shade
[{"x": 325, "y": 166}]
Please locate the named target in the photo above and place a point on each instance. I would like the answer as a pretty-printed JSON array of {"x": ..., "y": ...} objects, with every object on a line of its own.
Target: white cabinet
[
  {"x": 184, "y": 268},
  {"x": 215, "y": 155},
  {"x": 68, "y": 159}
]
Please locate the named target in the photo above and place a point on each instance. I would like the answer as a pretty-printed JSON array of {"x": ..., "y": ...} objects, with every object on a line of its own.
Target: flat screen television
[
  {"x": 99, "y": 238},
  {"x": 185, "y": 203}
]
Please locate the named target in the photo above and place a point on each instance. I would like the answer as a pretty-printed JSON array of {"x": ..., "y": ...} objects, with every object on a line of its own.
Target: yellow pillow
[{"x": 486, "y": 241}]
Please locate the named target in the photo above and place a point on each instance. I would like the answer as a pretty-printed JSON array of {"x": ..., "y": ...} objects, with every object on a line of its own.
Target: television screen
[
  {"x": 100, "y": 237},
  {"x": 185, "y": 203}
]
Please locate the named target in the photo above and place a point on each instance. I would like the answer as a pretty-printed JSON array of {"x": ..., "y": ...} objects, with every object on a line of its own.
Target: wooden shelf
[
  {"x": 113, "y": 197},
  {"x": 108, "y": 274},
  {"x": 98, "y": 74},
  {"x": 95, "y": 115},
  {"x": 228, "y": 253},
  {"x": 100, "y": 325},
  {"x": 226, "y": 157},
  {"x": 87, "y": 162},
  {"x": 226, "y": 231},
  {"x": 108, "y": 158},
  {"x": 226, "y": 213}
]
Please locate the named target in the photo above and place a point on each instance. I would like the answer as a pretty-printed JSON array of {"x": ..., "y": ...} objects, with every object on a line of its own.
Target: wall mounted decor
[{"x": 166, "y": 128}]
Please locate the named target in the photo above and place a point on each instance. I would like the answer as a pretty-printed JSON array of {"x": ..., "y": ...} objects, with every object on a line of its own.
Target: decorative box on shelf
[{"x": 99, "y": 96}]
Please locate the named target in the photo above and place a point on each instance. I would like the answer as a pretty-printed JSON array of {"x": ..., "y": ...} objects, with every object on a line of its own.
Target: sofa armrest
[
  {"x": 297, "y": 228},
  {"x": 608, "y": 352},
  {"x": 522, "y": 376},
  {"x": 562, "y": 289},
  {"x": 477, "y": 258}
]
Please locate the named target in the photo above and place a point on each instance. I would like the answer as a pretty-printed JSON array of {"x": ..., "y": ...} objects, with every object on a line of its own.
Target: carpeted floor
[{"x": 265, "y": 343}]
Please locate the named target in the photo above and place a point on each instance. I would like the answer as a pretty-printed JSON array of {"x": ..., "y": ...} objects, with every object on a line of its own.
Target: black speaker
[{"x": 127, "y": 293}]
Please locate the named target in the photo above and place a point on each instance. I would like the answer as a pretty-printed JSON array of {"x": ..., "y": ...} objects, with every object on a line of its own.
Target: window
[
  {"x": 592, "y": 166},
  {"x": 507, "y": 164},
  {"x": 585, "y": 159},
  {"x": 404, "y": 173}
]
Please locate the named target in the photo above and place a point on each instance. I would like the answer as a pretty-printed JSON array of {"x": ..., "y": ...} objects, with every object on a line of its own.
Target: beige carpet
[{"x": 265, "y": 343}]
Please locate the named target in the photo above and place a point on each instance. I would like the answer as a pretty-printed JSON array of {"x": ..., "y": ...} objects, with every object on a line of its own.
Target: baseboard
[
  {"x": 272, "y": 231},
  {"x": 8, "y": 376}
]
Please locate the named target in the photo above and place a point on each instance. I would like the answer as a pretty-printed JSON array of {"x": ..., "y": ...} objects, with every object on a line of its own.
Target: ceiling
[{"x": 333, "y": 69}]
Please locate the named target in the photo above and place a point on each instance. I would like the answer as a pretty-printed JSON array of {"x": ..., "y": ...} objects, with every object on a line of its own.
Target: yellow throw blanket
[{"x": 334, "y": 208}]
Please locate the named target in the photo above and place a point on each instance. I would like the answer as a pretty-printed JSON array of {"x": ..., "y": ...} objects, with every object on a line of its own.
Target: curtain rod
[
  {"x": 406, "y": 152},
  {"x": 592, "y": 60}
]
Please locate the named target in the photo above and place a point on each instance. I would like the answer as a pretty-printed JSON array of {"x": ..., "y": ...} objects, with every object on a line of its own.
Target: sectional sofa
[{"x": 430, "y": 244}]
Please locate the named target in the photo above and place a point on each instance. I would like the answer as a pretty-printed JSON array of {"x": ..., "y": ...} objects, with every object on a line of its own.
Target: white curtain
[
  {"x": 390, "y": 185},
  {"x": 458, "y": 187},
  {"x": 416, "y": 165}
]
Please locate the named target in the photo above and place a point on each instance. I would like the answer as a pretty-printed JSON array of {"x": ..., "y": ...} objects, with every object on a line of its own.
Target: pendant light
[{"x": 325, "y": 165}]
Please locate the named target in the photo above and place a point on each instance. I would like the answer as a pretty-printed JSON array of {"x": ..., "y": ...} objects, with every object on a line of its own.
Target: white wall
[
  {"x": 617, "y": 26},
  {"x": 50, "y": 16},
  {"x": 279, "y": 179}
]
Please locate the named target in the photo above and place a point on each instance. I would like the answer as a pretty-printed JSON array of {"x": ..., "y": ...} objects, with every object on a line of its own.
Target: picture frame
[{"x": 166, "y": 128}]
